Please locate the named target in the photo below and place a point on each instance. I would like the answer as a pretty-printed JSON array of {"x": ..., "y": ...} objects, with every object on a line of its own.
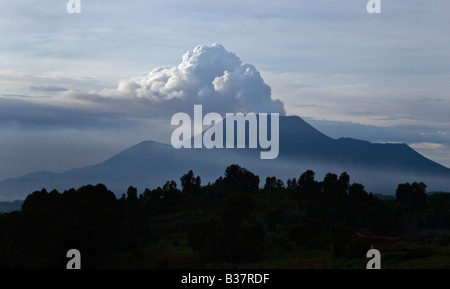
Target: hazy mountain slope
[{"x": 380, "y": 167}]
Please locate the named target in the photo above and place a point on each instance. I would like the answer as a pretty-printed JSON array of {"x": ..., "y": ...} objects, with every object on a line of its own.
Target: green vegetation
[{"x": 231, "y": 223}]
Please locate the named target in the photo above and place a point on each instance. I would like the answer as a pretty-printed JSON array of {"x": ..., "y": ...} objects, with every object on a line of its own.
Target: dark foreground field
[{"x": 232, "y": 224}]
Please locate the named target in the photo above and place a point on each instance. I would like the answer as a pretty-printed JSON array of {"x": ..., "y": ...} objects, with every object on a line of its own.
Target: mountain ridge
[{"x": 380, "y": 167}]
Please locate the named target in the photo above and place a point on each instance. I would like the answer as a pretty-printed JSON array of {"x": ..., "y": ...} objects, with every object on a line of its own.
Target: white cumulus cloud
[{"x": 207, "y": 75}]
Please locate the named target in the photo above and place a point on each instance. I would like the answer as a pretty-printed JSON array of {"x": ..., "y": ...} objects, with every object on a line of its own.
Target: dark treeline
[{"x": 230, "y": 220}]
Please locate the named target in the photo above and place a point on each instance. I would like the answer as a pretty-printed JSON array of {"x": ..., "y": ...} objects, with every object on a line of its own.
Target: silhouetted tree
[
  {"x": 38, "y": 200},
  {"x": 357, "y": 194},
  {"x": 357, "y": 209},
  {"x": 153, "y": 196},
  {"x": 306, "y": 182},
  {"x": 88, "y": 219},
  {"x": 240, "y": 178},
  {"x": 344, "y": 182},
  {"x": 402, "y": 192},
  {"x": 292, "y": 184},
  {"x": 330, "y": 186},
  {"x": 190, "y": 184},
  {"x": 273, "y": 183},
  {"x": 131, "y": 195},
  {"x": 414, "y": 194},
  {"x": 227, "y": 222},
  {"x": 170, "y": 191}
]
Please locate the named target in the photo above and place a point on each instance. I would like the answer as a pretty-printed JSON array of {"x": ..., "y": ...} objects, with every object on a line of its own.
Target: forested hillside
[{"x": 233, "y": 222}]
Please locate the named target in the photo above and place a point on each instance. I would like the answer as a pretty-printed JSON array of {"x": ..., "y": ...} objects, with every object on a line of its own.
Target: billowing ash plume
[{"x": 207, "y": 75}]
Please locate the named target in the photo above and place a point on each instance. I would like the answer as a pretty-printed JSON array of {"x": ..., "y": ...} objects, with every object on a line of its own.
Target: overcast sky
[{"x": 77, "y": 88}]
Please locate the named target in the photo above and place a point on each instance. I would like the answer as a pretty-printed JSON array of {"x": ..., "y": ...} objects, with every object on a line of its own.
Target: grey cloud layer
[
  {"x": 41, "y": 88},
  {"x": 207, "y": 75}
]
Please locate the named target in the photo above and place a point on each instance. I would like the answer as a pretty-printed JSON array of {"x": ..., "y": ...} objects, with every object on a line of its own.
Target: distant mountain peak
[{"x": 379, "y": 167}]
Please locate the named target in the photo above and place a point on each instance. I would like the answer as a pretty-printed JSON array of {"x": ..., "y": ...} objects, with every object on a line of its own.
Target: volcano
[{"x": 379, "y": 167}]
